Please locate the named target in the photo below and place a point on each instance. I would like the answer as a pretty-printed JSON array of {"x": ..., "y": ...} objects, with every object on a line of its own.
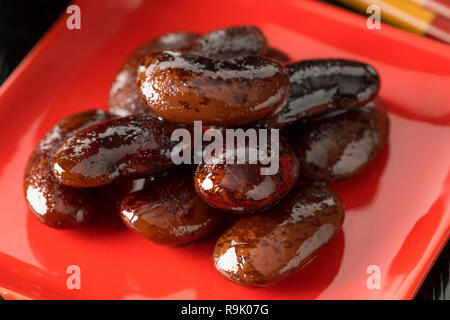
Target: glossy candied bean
[
  {"x": 169, "y": 211},
  {"x": 53, "y": 203},
  {"x": 183, "y": 88},
  {"x": 340, "y": 145},
  {"x": 277, "y": 55},
  {"x": 241, "y": 188},
  {"x": 119, "y": 147},
  {"x": 123, "y": 97},
  {"x": 230, "y": 43},
  {"x": 318, "y": 86},
  {"x": 261, "y": 249}
]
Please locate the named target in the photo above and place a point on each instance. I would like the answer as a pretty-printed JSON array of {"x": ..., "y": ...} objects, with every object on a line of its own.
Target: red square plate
[{"x": 398, "y": 210}]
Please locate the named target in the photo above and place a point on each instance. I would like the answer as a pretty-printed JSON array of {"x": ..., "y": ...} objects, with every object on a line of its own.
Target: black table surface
[{"x": 23, "y": 24}]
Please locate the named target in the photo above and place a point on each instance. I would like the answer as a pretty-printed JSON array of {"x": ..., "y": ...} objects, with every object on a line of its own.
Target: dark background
[{"x": 22, "y": 24}]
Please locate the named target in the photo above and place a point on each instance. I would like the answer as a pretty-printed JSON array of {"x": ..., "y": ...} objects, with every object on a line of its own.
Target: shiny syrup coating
[
  {"x": 228, "y": 43},
  {"x": 169, "y": 211},
  {"x": 242, "y": 188},
  {"x": 182, "y": 88},
  {"x": 341, "y": 144},
  {"x": 123, "y": 97},
  {"x": 263, "y": 248},
  {"x": 277, "y": 55},
  {"x": 318, "y": 86},
  {"x": 53, "y": 203},
  {"x": 126, "y": 146}
]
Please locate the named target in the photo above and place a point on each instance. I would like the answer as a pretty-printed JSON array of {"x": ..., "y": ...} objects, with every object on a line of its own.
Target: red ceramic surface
[{"x": 398, "y": 210}]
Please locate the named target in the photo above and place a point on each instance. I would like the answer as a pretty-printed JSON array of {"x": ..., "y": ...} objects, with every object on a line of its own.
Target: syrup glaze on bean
[
  {"x": 126, "y": 146},
  {"x": 230, "y": 43},
  {"x": 263, "y": 248},
  {"x": 53, "y": 203},
  {"x": 340, "y": 145},
  {"x": 182, "y": 88},
  {"x": 169, "y": 211},
  {"x": 241, "y": 188},
  {"x": 123, "y": 97},
  {"x": 318, "y": 86}
]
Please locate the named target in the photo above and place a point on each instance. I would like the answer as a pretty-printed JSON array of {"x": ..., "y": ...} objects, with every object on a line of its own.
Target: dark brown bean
[
  {"x": 241, "y": 188},
  {"x": 123, "y": 97},
  {"x": 120, "y": 147},
  {"x": 318, "y": 86},
  {"x": 230, "y": 43},
  {"x": 340, "y": 145},
  {"x": 277, "y": 55},
  {"x": 261, "y": 249},
  {"x": 53, "y": 203},
  {"x": 183, "y": 88},
  {"x": 169, "y": 211}
]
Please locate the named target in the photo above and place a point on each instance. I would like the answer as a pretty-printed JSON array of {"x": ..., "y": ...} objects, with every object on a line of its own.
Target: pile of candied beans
[{"x": 331, "y": 125}]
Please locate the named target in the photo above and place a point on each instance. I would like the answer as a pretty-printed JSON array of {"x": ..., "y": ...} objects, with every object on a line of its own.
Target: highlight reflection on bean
[
  {"x": 261, "y": 249},
  {"x": 183, "y": 88},
  {"x": 241, "y": 188},
  {"x": 119, "y": 147},
  {"x": 319, "y": 86},
  {"x": 53, "y": 203},
  {"x": 340, "y": 145},
  {"x": 230, "y": 43},
  {"x": 123, "y": 96},
  {"x": 169, "y": 211}
]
